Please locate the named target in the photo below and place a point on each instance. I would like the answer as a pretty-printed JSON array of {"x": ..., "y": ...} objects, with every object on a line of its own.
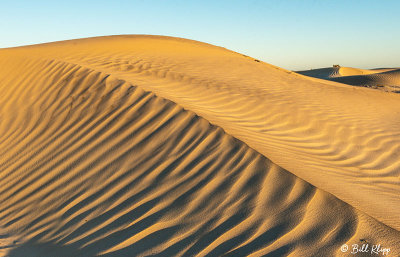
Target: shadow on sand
[{"x": 35, "y": 249}]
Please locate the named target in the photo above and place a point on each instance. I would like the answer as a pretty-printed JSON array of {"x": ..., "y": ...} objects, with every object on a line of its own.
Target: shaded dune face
[
  {"x": 93, "y": 165},
  {"x": 387, "y": 79}
]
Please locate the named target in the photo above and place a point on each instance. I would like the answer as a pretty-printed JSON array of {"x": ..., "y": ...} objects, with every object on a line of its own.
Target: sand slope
[
  {"x": 107, "y": 149},
  {"x": 387, "y": 79}
]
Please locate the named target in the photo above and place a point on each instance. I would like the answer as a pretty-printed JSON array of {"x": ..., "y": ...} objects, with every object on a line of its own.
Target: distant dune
[
  {"x": 386, "y": 79},
  {"x": 150, "y": 145}
]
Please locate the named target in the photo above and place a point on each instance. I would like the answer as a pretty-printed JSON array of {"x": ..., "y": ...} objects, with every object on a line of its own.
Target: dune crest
[{"x": 107, "y": 149}]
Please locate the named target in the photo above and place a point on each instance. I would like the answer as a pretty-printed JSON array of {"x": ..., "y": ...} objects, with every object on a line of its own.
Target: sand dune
[
  {"x": 334, "y": 72},
  {"x": 386, "y": 79},
  {"x": 143, "y": 145}
]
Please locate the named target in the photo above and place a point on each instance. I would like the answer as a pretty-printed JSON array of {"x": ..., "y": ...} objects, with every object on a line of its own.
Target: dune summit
[{"x": 149, "y": 145}]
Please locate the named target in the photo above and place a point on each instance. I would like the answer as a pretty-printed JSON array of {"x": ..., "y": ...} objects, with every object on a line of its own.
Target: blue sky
[{"x": 287, "y": 33}]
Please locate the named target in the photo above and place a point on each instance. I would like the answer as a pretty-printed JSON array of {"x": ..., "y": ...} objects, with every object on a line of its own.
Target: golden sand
[{"x": 147, "y": 145}]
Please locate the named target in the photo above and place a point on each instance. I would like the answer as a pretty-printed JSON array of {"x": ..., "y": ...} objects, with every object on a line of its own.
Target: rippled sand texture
[
  {"x": 387, "y": 79},
  {"x": 141, "y": 145}
]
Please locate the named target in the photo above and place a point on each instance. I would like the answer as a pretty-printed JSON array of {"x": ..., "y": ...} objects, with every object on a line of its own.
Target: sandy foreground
[{"x": 147, "y": 145}]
